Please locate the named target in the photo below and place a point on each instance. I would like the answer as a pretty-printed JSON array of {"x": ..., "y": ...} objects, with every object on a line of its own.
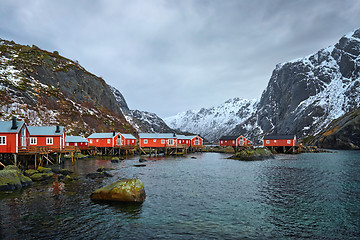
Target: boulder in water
[
  {"x": 11, "y": 178},
  {"x": 125, "y": 190}
]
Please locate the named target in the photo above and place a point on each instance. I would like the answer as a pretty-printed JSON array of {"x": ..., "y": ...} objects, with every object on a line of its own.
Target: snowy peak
[{"x": 216, "y": 121}]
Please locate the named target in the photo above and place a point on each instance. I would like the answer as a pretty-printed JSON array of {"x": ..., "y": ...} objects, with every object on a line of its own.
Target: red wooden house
[
  {"x": 193, "y": 141},
  {"x": 113, "y": 139},
  {"x": 279, "y": 140},
  {"x": 234, "y": 141},
  {"x": 128, "y": 139},
  {"x": 13, "y": 135},
  {"x": 50, "y": 136},
  {"x": 157, "y": 140},
  {"x": 76, "y": 141}
]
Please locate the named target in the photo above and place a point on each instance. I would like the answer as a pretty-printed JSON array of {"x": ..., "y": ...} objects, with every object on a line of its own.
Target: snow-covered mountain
[
  {"x": 142, "y": 121},
  {"x": 303, "y": 96},
  {"x": 215, "y": 121}
]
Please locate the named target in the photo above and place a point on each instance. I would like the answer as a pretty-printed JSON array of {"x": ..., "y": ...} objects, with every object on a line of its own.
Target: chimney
[
  {"x": 57, "y": 129},
  {"x": 113, "y": 133},
  {"x": 14, "y": 123},
  {"x": 174, "y": 135}
]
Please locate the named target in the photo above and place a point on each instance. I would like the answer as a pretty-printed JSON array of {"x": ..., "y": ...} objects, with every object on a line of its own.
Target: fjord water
[{"x": 314, "y": 196}]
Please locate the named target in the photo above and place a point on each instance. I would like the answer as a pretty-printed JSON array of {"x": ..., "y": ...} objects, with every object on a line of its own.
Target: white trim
[
  {"x": 49, "y": 141},
  {"x": 3, "y": 142},
  {"x": 17, "y": 143},
  {"x": 33, "y": 142}
]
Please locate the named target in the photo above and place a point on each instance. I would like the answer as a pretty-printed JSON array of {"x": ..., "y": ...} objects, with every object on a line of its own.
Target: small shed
[
  {"x": 129, "y": 139},
  {"x": 13, "y": 135},
  {"x": 113, "y": 139},
  {"x": 76, "y": 141}
]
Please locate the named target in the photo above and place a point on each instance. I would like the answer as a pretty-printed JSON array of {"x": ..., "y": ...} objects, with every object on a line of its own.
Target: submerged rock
[
  {"x": 252, "y": 154},
  {"x": 12, "y": 178},
  {"x": 41, "y": 176},
  {"x": 125, "y": 190}
]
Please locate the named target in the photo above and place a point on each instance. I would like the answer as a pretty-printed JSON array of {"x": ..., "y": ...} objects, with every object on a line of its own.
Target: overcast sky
[{"x": 169, "y": 56}]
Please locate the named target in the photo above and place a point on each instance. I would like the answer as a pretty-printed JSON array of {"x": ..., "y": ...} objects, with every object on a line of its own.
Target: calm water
[{"x": 314, "y": 196}]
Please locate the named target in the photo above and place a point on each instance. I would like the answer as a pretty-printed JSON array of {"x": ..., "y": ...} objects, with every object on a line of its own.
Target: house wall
[
  {"x": 279, "y": 142},
  {"x": 11, "y": 145},
  {"x": 245, "y": 141},
  {"x": 193, "y": 142},
  {"x": 130, "y": 142},
  {"x": 41, "y": 141},
  {"x": 186, "y": 142},
  {"x": 156, "y": 142},
  {"x": 227, "y": 142}
]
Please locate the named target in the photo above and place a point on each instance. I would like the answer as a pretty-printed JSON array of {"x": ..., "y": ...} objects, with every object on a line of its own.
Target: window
[
  {"x": 67, "y": 144},
  {"x": 288, "y": 141},
  {"x": 108, "y": 141},
  {"x": 2, "y": 140},
  {"x": 234, "y": 142},
  {"x": 267, "y": 141},
  {"x": 133, "y": 141},
  {"x": 90, "y": 140},
  {"x": 274, "y": 141},
  {"x": 171, "y": 141},
  {"x": 154, "y": 140},
  {"x": 162, "y": 141},
  {"x": 145, "y": 141},
  {"x": 75, "y": 144},
  {"x": 97, "y": 140},
  {"x": 221, "y": 141},
  {"x": 33, "y": 141},
  {"x": 197, "y": 141},
  {"x": 49, "y": 141}
]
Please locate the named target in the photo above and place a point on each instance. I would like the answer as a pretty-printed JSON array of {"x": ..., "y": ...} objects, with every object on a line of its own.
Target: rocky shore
[{"x": 252, "y": 154}]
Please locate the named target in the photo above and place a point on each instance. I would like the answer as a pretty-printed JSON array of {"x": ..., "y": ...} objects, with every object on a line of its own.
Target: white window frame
[
  {"x": 33, "y": 141},
  {"x": 171, "y": 141},
  {"x": 145, "y": 141},
  {"x": 49, "y": 141},
  {"x": 154, "y": 140},
  {"x": 288, "y": 141},
  {"x": 90, "y": 140},
  {"x": 221, "y": 141},
  {"x": 197, "y": 140},
  {"x": 67, "y": 144},
  {"x": 162, "y": 141},
  {"x": 97, "y": 140},
  {"x": 274, "y": 141},
  {"x": 267, "y": 141},
  {"x": 2, "y": 140},
  {"x": 108, "y": 141}
]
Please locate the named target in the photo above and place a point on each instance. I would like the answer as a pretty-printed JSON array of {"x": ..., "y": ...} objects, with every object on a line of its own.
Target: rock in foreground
[
  {"x": 252, "y": 154},
  {"x": 11, "y": 178},
  {"x": 125, "y": 190}
]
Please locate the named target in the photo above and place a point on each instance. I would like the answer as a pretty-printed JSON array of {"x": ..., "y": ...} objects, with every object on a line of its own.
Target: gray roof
[
  {"x": 157, "y": 135},
  {"x": 44, "y": 130},
  {"x": 128, "y": 136},
  {"x": 5, "y": 126},
  {"x": 72, "y": 139},
  {"x": 229, "y": 137},
  {"x": 276, "y": 137},
  {"x": 102, "y": 135},
  {"x": 183, "y": 137}
]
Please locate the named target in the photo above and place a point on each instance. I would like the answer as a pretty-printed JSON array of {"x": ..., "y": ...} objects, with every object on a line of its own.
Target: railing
[{"x": 46, "y": 149}]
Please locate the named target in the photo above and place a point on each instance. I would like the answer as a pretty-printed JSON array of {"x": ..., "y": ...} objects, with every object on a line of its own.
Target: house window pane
[
  {"x": 49, "y": 141},
  {"x": 2, "y": 140},
  {"x": 145, "y": 141}
]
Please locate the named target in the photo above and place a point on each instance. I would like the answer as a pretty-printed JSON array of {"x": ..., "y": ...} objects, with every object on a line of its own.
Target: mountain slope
[
  {"x": 303, "y": 96},
  {"x": 45, "y": 88},
  {"x": 215, "y": 121},
  {"x": 142, "y": 121}
]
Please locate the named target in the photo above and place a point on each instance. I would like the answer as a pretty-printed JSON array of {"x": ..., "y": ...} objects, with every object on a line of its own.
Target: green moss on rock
[
  {"x": 41, "y": 176},
  {"x": 44, "y": 170},
  {"x": 30, "y": 172},
  {"x": 11, "y": 178},
  {"x": 125, "y": 190},
  {"x": 252, "y": 154}
]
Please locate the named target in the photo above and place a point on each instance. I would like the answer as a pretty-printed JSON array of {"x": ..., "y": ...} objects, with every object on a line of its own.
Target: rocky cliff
[
  {"x": 45, "y": 88},
  {"x": 303, "y": 96}
]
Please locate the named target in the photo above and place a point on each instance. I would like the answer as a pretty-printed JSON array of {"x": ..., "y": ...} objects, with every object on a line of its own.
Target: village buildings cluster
[{"x": 16, "y": 135}]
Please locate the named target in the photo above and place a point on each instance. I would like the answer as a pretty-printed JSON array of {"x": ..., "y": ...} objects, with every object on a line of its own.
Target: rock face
[
  {"x": 342, "y": 133},
  {"x": 302, "y": 97},
  {"x": 11, "y": 178},
  {"x": 125, "y": 190},
  {"x": 44, "y": 88}
]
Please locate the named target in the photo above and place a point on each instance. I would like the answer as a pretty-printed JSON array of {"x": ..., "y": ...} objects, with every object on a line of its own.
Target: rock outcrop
[
  {"x": 11, "y": 178},
  {"x": 125, "y": 190}
]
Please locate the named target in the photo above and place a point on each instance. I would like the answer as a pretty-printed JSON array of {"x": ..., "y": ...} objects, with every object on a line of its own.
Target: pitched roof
[
  {"x": 128, "y": 136},
  {"x": 45, "y": 130},
  {"x": 102, "y": 135},
  {"x": 229, "y": 137},
  {"x": 183, "y": 137},
  {"x": 5, "y": 126},
  {"x": 72, "y": 139},
  {"x": 276, "y": 137},
  {"x": 157, "y": 135}
]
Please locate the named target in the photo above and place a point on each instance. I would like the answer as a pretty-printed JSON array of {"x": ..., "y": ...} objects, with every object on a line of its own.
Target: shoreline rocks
[
  {"x": 11, "y": 178},
  {"x": 125, "y": 190},
  {"x": 252, "y": 154}
]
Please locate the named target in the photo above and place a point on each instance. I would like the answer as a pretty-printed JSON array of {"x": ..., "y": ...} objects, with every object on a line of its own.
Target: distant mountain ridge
[
  {"x": 303, "y": 96},
  {"x": 44, "y": 88}
]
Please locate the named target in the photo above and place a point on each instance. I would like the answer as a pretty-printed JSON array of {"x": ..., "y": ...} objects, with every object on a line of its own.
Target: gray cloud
[{"x": 170, "y": 56}]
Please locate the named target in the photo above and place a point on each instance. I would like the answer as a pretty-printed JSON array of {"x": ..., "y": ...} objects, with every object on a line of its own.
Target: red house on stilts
[
  {"x": 13, "y": 136},
  {"x": 234, "y": 141},
  {"x": 49, "y": 136},
  {"x": 279, "y": 141}
]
